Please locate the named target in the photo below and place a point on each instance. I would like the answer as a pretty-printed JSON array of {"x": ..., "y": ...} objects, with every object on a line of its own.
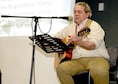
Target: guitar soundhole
[{"x": 68, "y": 55}]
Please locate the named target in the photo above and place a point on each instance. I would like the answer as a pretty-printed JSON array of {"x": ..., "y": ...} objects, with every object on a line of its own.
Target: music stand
[{"x": 50, "y": 44}]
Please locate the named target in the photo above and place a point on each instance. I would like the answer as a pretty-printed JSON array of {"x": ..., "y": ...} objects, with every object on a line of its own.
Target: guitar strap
[{"x": 89, "y": 21}]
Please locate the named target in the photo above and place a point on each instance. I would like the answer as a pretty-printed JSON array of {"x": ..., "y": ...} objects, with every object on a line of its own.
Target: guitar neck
[
  {"x": 82, "y": 33},
  {"x": 69, "y": 41}
]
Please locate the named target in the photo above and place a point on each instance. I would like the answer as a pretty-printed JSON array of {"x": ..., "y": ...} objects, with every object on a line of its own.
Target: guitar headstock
[{"x": 84, "y": 32}]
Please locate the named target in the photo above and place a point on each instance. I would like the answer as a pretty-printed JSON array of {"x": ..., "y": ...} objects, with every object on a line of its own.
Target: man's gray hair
[{"x": 87, "y": 7}]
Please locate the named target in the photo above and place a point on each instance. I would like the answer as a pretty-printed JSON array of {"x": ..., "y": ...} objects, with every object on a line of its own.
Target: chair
[
  {"x": 85, "y": 78},
  {"x": 113, "y": 72}
]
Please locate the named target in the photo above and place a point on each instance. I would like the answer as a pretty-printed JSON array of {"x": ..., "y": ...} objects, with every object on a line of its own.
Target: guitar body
[{"x": 64, "y": 56}]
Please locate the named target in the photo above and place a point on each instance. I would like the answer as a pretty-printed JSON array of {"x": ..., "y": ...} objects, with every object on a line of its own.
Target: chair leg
[
  {"x": 89, "y": 78},
  {"x": 117, "y": 71}
]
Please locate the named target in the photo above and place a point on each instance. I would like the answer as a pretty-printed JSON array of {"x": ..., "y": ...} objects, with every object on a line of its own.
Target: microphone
[{"x": 69, "y": 18}]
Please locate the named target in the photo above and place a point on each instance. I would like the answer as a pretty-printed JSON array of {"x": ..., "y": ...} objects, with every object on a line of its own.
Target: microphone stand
[
  {"x": 34, "y": 41},
  {"x": 33, "y": 53}
]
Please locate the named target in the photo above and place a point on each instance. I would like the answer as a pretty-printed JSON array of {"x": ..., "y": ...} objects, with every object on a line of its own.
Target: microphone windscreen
[{"x": 70, "y": 18}]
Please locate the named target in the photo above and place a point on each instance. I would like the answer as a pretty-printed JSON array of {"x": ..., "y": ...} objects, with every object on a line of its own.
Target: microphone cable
[
  {"x": 39, "y": 27},
  {"x": 49, "y": 28}
]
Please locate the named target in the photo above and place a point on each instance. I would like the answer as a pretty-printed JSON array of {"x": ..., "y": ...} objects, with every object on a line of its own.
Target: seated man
[{"x": 89, "y": 52}]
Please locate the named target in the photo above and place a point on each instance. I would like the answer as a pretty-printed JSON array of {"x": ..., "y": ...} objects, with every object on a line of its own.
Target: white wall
[
  {"x": 10, "y": 26},
  {"x": 15, "y": 62}
]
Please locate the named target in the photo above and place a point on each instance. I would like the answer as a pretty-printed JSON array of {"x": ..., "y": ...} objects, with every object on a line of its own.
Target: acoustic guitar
[{"x": 67, "y": 55}]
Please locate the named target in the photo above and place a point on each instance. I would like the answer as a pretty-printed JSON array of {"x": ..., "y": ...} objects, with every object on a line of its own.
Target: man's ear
[{"x": 88, "y": 14}]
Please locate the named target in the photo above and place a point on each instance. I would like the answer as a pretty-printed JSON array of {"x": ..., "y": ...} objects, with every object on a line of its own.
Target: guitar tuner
[{"x": 88, "y": 29}]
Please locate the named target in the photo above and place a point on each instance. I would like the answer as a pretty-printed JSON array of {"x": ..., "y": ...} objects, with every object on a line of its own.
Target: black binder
[{"x": 50, "y": 44}]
